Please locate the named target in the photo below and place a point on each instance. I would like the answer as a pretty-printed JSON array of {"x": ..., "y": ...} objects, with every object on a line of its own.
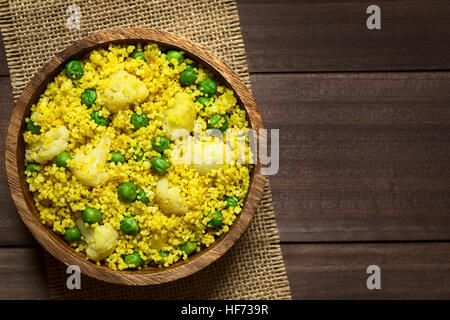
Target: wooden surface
[
  {"x": 331, "y": 35},
  {"x": 363, "y": 156},
  {"x": 364, "y": 140}
]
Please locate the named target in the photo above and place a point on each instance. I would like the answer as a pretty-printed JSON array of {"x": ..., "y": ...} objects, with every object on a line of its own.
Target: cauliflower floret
[
  {"x": 122, "y": 90},
  {"x": 169, "y": 198},
  {"x": 204, "y": 156},
  {"x": 213, "y": 157},
  {"x": 90, "y": 169},
  {"x": 181, "y": 116},
  {"x": 102, "y": 243},
  {"x": 102, "y": 240},
  {"x": 50, "y": 144}
]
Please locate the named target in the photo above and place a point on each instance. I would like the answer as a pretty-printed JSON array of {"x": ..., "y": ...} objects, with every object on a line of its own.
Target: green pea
[
  {"x": 138, "y": 54},
  {"x": 129, "y": 226},
  {"x": 88, "y": 97},
  {"x": 117, "y": 157},
  {"x": 189, "y": 247},
  {"x": 138, "y": 156},
  {"x": 231, "y": 202},
  {"x": 203, "y": 101},
  {"x": 190, "y": 67},
  {"x": 216, "y": 220},
  {"x": 32, "y": 167},
  {"x": 160, "y": 143},
  {"x": 72, "y": 234},
  {"x": 139, "y": 120},
  {"x": 142, "y": 197},
  {"x": 101, "y": 121},
  {"x": 188, "y": 77},
  {"x": 34, "y": 129},
  {"x": 133, "y": 259},
  {"x": 218, "y": 121},
  {"x": 173, "y": 54},
  {"x": 163, "y": 254},
  {"x": 62, "y": 158},
  {"x": 127, "y": 192},
  {"x": 208, "y": 87},
  {"x": 160, "y": 164},
  {"x": 74, "y": 70},
  {"x": 91, "y": 215}
]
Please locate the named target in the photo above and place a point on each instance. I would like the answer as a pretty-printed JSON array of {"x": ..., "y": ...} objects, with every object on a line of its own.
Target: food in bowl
[{"x": 125, "y": 160}]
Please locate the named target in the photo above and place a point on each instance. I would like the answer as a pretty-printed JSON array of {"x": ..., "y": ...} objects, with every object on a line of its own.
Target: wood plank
[
  {"x": 22, "y": 274},
  {"x": 315, "y": 271},
  {"x": 363, "y": 156},
  {"x": 338, "y": 271},
  {"x": 3, "y": 64},
  {"x": 324, "y": 35},
  {"x": 12, "y": 230}
]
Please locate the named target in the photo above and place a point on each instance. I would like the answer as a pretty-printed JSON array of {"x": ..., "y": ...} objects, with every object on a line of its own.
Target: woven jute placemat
[{"x": 33, "y": 31}]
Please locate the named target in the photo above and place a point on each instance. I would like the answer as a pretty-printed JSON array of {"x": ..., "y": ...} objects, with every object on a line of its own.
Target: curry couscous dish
[{"x": 125, "y": 161}]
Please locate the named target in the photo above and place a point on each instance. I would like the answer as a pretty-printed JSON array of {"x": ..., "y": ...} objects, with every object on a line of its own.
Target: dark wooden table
[{"x": 364, "y": 119}]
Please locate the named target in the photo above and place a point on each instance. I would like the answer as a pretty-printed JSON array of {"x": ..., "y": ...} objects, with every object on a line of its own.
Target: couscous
[{"x": 107, "y": 156}]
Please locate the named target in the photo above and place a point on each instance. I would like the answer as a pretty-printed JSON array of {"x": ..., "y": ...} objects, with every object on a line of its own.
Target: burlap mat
[{"x": 33, "y": 31}]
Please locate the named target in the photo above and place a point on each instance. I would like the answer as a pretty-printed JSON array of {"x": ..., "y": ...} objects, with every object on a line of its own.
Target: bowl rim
[{"x": 22, "y": 196}]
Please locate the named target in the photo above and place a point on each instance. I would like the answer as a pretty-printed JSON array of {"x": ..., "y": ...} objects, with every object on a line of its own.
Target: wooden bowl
[{"x": 15, "y": 149}]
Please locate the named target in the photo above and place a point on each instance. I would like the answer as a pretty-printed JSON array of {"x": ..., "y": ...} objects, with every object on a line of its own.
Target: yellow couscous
[{"x": 107, "y": 156}]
